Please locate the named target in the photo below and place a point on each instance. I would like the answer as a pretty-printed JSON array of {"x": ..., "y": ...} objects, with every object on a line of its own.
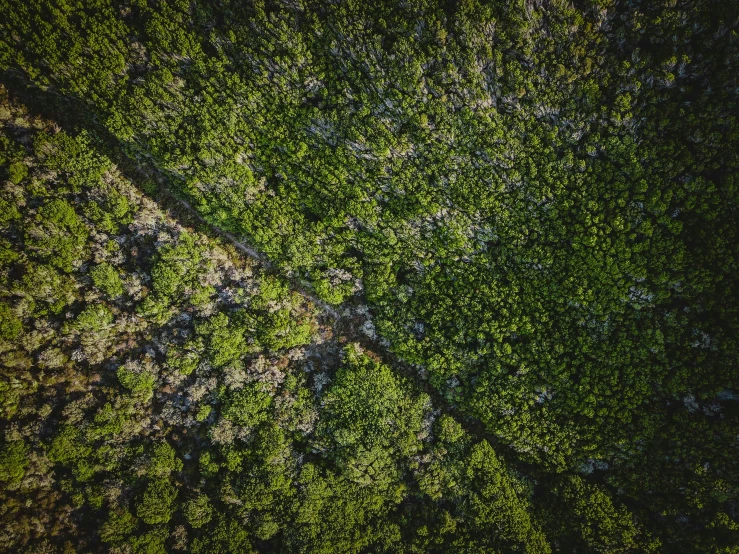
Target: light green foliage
[
  {"x": 13, "y": 462},
  {"x": 157, "y": 501},
  {"x": 331, "y": 292},
  {"x": 106, "y": 278},
  {"x": 17, "y": 172},
  {"x": 139, "y": 382},
  {"x": 10, "y": 325},
  {"x": 163, "y": 460},
  {"x": 59, "y": 235},
  {"x": 49, "y": 290},
  {"x": 93, "y": 319},
  {"x": 369, "y": 423},
  {"x": 201, "y": 297},
  {"x": 226, "y": 340},
  {"x": 109, "y": 422},
  {"x": 449, "y": 430},
  {"x": 248, "y": 406},
  {"x": 185, "y": 360},
  {"x": 204, "y": 412},
  {"x": 207, "y": 465},
  {"x": 280, "y": 330},
  {"x": 198, "y": 511}
]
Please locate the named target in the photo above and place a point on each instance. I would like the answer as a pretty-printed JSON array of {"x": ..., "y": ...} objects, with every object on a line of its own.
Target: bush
[
  {"x": 156, "y": 504},
  {"x": 17, "y": 172},
  {"x": 10, "y": 325},
  {"x": 198, "y": 511},
  {"x": 106, "y": 278},
  {"x": 13, "y": 462},
  {"x": 93, "y": 319}
]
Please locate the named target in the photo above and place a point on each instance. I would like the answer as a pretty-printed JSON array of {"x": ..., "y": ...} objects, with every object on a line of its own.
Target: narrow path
[
  {"x": 349, "y": 326},
  {"x": 254, "y": 253},
  {"x": 54, "y": 107}
]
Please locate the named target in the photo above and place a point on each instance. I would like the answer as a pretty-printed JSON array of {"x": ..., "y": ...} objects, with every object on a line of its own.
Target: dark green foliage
[
  {"x": 588, "y": 520},
  {"x": 222, "y": 536},
  {"x": 529, "y": 207},
  {"x": 118, "y": 525},
  {"x": 368, "y": 408},
  {"x": 70, "y": 449},
  {"x": 494, "y": 502},
  {"x": 151, "y": 542},
  {"x": 336, "y": 514},
  {"x": 175, "y": 268}
]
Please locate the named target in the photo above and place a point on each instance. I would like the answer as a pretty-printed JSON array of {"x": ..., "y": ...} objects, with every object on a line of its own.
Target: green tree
[
  {"x": 157, "y": 501},
  {"x": 92, "y": 319},
  {"x": 70, "y": 449},
  {"x": 198, "y": 511},
  {"x": 107, "y": 279},
  {"x": 118, "y": 526},
  {"x": 248, "y": 406},
  {"x": 10, "y": 325},
  {"x": 163, "y": 460},
  {"x": 59, "y": 235},
  {"x": 138, "y": 380},
  {"x": 17, "y": 172},
  {"x": 13, "y": 462},
  {"x": 224, "y": 534}
]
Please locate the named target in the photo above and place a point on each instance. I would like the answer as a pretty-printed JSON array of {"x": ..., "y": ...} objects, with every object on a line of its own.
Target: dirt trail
[
  {"x": 349, "y": 324},
  {"x": 261, "y": 258}
]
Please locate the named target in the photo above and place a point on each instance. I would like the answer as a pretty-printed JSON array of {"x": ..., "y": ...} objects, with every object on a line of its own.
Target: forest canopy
[{"x": 302, "y": 276}]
